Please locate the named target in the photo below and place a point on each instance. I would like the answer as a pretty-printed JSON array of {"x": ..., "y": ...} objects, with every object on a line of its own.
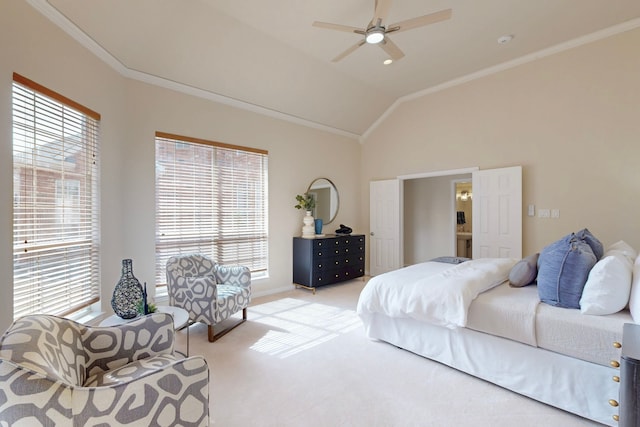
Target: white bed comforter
[{"x": 433, "y": 292}]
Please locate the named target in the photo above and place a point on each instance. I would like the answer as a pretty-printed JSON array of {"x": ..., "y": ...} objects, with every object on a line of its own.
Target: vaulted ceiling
[{"x": 266, "y": 56}]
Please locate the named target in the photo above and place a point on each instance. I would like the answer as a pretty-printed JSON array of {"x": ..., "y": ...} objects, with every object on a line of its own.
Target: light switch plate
[
  {"x": 544, "y": 213},
  {"x": 532, "y": 210}
]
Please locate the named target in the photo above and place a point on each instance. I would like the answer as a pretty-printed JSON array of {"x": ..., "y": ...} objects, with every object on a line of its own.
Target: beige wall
[
  {"x": 572, "y": 120},
  {"x": 131, "y": 113}
]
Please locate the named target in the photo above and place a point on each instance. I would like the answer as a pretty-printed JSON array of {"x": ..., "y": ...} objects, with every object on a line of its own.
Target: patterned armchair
[
  {"x": 210, "y": 292},
  {"x": 56, "y": 372}
]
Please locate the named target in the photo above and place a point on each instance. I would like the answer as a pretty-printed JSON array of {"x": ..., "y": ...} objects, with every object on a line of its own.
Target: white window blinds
[
  {"x": 211, "y": 198},
  {"x": 55, "y": 199}
]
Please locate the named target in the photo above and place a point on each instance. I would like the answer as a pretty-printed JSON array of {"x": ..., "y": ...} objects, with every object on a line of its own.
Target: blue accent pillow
[
  {"x": 525, "y": 271},
  {"x": 563, "y": 269},
  {"x": 592, "y": 241}
]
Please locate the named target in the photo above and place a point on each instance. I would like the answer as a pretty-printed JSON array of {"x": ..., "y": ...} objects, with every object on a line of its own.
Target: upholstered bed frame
[{"x": 574, "y": 385}]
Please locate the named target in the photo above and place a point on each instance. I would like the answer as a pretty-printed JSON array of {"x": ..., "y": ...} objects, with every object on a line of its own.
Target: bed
[{"x": 466, "y": 316}]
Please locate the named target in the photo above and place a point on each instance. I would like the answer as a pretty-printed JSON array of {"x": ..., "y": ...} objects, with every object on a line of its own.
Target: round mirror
[{"x": 327, "y": 200}]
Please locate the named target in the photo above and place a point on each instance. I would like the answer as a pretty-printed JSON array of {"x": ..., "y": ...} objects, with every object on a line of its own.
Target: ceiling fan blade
[
  {"x": 348, "y": 51},
  {"x": 432, "y": 18},
  {"x": 380, "y": 12},
  {"x": 391, "y": 48},
  {"x": 338, "y": 27}
]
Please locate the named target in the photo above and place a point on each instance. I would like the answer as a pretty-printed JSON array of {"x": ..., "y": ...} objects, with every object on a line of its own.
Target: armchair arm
[
  {"x": 143, "y": 396},
  {"x": 236, "y": 275},
  {"x": 115, "y": 346},
  {"x": 135, "y": 397},
  {"x": 27, "y": 395}
]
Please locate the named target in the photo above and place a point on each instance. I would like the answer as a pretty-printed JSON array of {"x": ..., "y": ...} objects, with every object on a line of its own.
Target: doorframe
[{"x": 402, "y": 178}]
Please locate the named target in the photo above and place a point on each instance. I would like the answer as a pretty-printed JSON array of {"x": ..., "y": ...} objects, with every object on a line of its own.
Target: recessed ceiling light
[
  {"x": 388, "y": 61},
  {"x": 505, "y": 39}
]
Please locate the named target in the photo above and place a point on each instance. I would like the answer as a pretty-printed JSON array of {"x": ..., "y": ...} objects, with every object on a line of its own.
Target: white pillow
[
  {"x": 623, "y": 248},
  {"x": 608, "y": 286},
  {"x": 634, "y": 299}
]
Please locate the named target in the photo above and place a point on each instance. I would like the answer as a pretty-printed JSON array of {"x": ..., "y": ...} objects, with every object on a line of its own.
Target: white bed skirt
[{"x": 574, "y": 385}]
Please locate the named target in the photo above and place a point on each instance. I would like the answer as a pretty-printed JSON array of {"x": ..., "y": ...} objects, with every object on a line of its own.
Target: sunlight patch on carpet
[{"x": 297, "y": 325}]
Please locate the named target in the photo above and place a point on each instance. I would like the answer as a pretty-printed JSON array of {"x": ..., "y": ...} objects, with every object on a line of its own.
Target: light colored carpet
[{"x": 303, "y": 360}]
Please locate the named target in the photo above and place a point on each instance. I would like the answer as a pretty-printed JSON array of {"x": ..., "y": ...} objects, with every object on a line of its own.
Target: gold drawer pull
[
  {"x": 616, "y": 418},
  {"x": 616, "y": 344},
  {"x": 616, "y": 378},
  {"x": 614, "y": 363},
  {"x": 613, "y": 402}
]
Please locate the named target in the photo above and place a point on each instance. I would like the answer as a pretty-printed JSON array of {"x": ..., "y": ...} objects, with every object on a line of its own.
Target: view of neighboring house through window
[
  {"x": 211, "y": 199},
  {"x": 55, "y": 202}
]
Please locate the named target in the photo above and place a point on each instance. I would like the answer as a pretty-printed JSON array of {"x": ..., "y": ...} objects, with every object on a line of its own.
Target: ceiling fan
[{"x": 376, "y": 32}]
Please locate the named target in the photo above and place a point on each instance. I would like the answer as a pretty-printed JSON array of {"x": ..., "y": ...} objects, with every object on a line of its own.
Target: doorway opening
[
  {"x": 463, "y": 194},
  {"x": 429, "y": 216}
]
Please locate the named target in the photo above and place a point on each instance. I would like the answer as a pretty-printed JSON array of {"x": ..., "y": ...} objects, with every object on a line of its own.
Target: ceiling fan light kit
[{"x": 376, "y": 33}]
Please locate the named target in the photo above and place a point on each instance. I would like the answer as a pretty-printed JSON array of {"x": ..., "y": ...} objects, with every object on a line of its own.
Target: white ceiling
[{"x": 266, "y": 56}]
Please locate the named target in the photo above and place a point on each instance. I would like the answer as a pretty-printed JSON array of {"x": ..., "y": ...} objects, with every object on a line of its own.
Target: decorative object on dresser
[
  {"x": 344, "y": 230},
  {"x": 307, "y": 202},
  {"x": 327, "y": 260},
  {"x": 127, "y": 293}
]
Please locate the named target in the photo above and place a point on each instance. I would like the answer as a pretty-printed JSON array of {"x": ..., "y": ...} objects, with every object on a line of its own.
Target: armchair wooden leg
[{"x": 213, "y": 337}]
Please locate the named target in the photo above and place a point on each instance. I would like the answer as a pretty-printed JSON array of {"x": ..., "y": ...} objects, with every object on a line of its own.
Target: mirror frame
[{"x": 334, "y": 188}]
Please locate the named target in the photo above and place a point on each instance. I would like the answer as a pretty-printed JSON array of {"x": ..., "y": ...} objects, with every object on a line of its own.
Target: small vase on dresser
[{"x": 308, "y": 230}]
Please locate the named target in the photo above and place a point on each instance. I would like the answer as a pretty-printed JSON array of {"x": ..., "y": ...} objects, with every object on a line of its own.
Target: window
[
  {"x": 211, "y": 198},
  {"x": 55, "y": 202}
]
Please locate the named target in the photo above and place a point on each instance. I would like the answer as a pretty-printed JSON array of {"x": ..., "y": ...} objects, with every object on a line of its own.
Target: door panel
[
  {"x": 384, "y": 218},
  {"x": 497, "y": 213}
]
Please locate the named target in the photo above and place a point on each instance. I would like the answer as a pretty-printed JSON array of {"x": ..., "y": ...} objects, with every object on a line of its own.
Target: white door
[
  {"x": 497, "y": 213},
  {"x": 384, "y": 224}
]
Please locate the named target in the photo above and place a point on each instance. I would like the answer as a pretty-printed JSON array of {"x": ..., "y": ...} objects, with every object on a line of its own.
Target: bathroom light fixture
[
  {"x": 375, "y": 35},
  {"x": 465, "y": 195},
  {"x": 387, "y": 61}
]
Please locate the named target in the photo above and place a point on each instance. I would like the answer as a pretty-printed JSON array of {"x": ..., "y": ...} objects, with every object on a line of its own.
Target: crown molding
[
  {"x": 589, "y": 38},
  {"x": 54, "y": 15}
]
